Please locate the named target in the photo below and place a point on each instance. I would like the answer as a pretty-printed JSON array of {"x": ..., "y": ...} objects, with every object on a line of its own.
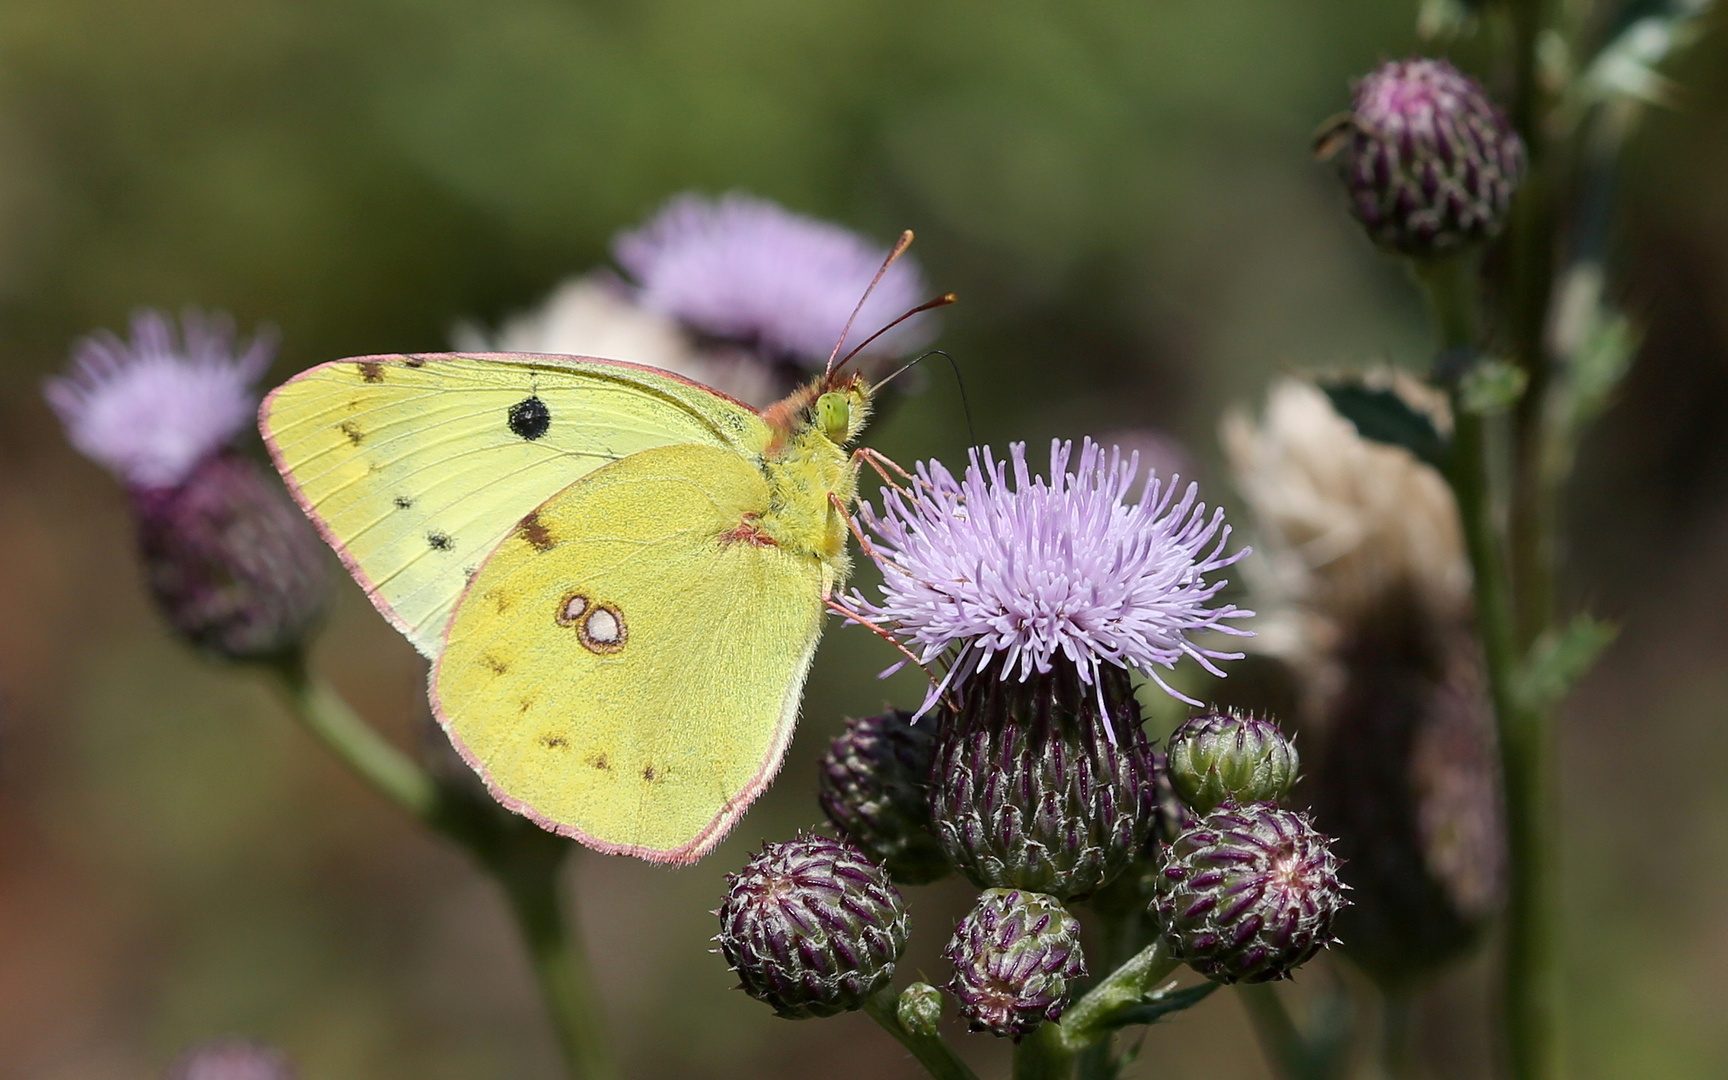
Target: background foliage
[{"x": 1121, "y": 194}]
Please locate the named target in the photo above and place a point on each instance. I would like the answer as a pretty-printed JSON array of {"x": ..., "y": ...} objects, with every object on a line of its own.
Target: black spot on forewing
[
  {"x": 529, "y": 418},
  {"x": 352, "y": 430},
  {"x": 403, "y": 502},
  {"x": 371, "y": 371},
  {"x": 599, "y": 761},
  {"x": 416, "y": 361},
  {"x": 498, "y": 666},
  {"x": 648, "y": 773},
  {"x": 439, "y": 541},
  {"x": 553, "y": 741}
]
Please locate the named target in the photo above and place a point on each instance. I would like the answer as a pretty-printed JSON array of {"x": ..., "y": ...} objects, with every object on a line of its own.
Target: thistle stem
[
  {"x": 1530, "y": 963},
  {"x": 1292, "y": 1056},
  {"x": 520, "y": 857},
  {"x": 1089, "y": 1019},
  {"x": 932, "y": 1051},
  {"x": 560, "y": 964},
  {"x": 322, "y": 712}
]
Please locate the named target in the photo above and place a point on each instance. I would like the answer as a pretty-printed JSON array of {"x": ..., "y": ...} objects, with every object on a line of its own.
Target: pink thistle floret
[
  {"x": 150, "y": 410},
  {"x": 1023, "y": 570},
  {"x": 747, "y": 270}
]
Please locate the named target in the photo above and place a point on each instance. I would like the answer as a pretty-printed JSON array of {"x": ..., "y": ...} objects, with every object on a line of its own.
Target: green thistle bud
[
  {"x": 1016, "y": 957},
  {"x": 919, "y": 1008},
  {"x": 1227, "y": 758},
  {"x": 874, "y": 785},
  {"x": 1430, "y": 162},
  {"x": 812, "y": 927},
  {"x": 1249, "y": 894},
  {"x": 1036, "y": 789}
]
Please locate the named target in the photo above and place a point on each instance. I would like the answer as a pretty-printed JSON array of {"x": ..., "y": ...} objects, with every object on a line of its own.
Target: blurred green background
[{"x": 1122, "y": 195}]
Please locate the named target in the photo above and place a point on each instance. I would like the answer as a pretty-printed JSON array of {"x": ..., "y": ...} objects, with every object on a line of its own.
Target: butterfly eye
[{"x": 834, "y": 414}]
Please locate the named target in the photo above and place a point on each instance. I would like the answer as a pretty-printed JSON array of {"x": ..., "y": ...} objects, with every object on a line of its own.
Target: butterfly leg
[
  {"x": 852, "y": 616},
  {"x": 882, "y": 463}
]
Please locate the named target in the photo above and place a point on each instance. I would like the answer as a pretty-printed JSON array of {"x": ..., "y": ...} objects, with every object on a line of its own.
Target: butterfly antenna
[
  {"x": 941, "y": 301},
  {"x": 900, "y": 247},
  {"x": 965, "y": 402}
]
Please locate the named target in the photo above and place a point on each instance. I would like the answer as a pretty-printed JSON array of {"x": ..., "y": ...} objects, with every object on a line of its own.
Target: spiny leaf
[
  {"x": 1560, "y": 658},
  {"x": 1382, "y": 416},
  {"x": 1159, "y": 1004}
]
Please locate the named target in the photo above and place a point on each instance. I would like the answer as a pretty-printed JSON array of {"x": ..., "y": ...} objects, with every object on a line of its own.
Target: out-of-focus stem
[
  {"x": 932, "y": 1051},
  {"x": 1397, "y": 1034},
  {"x": 1291, "y": 1055},
  {"x": 560, "y": 964},
  {"x": 321, "y": 711},
  {"x": 520, "y": 857},
  {"x": 1531, "y": 979}
]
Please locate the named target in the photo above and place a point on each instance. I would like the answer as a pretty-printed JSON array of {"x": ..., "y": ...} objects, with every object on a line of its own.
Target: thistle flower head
[
  {"x": 749, "y": 271},
  {"x": 999, "y": 565},
  {"x": 150, "y": 410}
]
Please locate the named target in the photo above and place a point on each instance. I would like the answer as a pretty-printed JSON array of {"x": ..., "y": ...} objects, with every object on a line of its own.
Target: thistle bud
[
  {"x": 874, "y": 785},
  {"x": 233, "y": 565},
  {"x": 1016, "y": 957},
  {"x": 919, "y": 1009},
  {"x": 1037, "y": 789},
  {"x": 1430, "y": 162},
  {"x": 1249, "y": 894},
  {"x": 236, "y": 568},
  {"x": 812, "y": 927},
  {"x": 231, "y": 1059},
  {"x": 1227, "y": 758}
]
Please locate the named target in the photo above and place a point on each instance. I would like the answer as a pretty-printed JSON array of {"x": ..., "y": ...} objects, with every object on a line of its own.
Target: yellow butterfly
[{"x": 619, "y": 575}]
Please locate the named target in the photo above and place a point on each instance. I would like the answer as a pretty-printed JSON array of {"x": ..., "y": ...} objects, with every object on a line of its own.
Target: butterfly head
[{"x": 840, "y": 412}]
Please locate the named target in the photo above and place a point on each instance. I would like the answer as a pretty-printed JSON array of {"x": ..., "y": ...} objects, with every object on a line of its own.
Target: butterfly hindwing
[
  {"x": 416, "y": 467},
  {"x": 626, "y": 667}
]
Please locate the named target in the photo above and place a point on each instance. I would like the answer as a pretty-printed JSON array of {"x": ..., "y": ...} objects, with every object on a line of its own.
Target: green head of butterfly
[{"x": 834, "y": 416}]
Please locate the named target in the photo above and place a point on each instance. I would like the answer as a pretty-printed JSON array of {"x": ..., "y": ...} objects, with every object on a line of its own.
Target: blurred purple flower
[
  {"x": 151, "y": 410},
  {"x": 979, "y": 567},
  {"x": 748, "y": 271},
  {"x": 234, "y": 566},
  {"x": 231, "y": 1059}
]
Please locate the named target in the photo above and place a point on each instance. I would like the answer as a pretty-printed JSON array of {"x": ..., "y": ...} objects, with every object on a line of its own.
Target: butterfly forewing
[{"x": 416, "y": 467}]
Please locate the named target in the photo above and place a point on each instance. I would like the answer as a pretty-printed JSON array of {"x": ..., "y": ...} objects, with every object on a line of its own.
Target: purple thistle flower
[
  {"x": 748, "y": 271},
  {"x": 151, "y": 410},
  {"x": 1034, "y": 569},
  {"x": 234, "y": 566}
]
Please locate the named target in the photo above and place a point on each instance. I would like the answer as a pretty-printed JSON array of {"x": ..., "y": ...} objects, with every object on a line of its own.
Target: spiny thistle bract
[
  {"x": 1016, "y": 957},
  {"x": 874, "y": 785},
  {"x": 1431, "y": 164},
  {"x": 1225, "y": 757},
  {"x": 232, "y": 563},
  {"x": 1248, "y": 894},
  {"x": 1031, "y": 790},
  {"x": 812, "y": 927}
]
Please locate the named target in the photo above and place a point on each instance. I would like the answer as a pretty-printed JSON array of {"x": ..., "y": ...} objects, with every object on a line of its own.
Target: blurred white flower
[{"x": 594, "y": 315}]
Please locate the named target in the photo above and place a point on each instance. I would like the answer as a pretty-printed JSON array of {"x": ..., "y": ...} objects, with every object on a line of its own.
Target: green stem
[
  {"x": 1530, "y": 972},
  {"x": 1291, "y": 1055},
  {"x": 321, "y": 711},
  {"x": 932, "y": 1051},
  {"x": 1089, "y": 1019},
  {"x": 523, "y": 859},
  {"x": 531, "y": 884},
  {"x": 1397, "y": 1034}
]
